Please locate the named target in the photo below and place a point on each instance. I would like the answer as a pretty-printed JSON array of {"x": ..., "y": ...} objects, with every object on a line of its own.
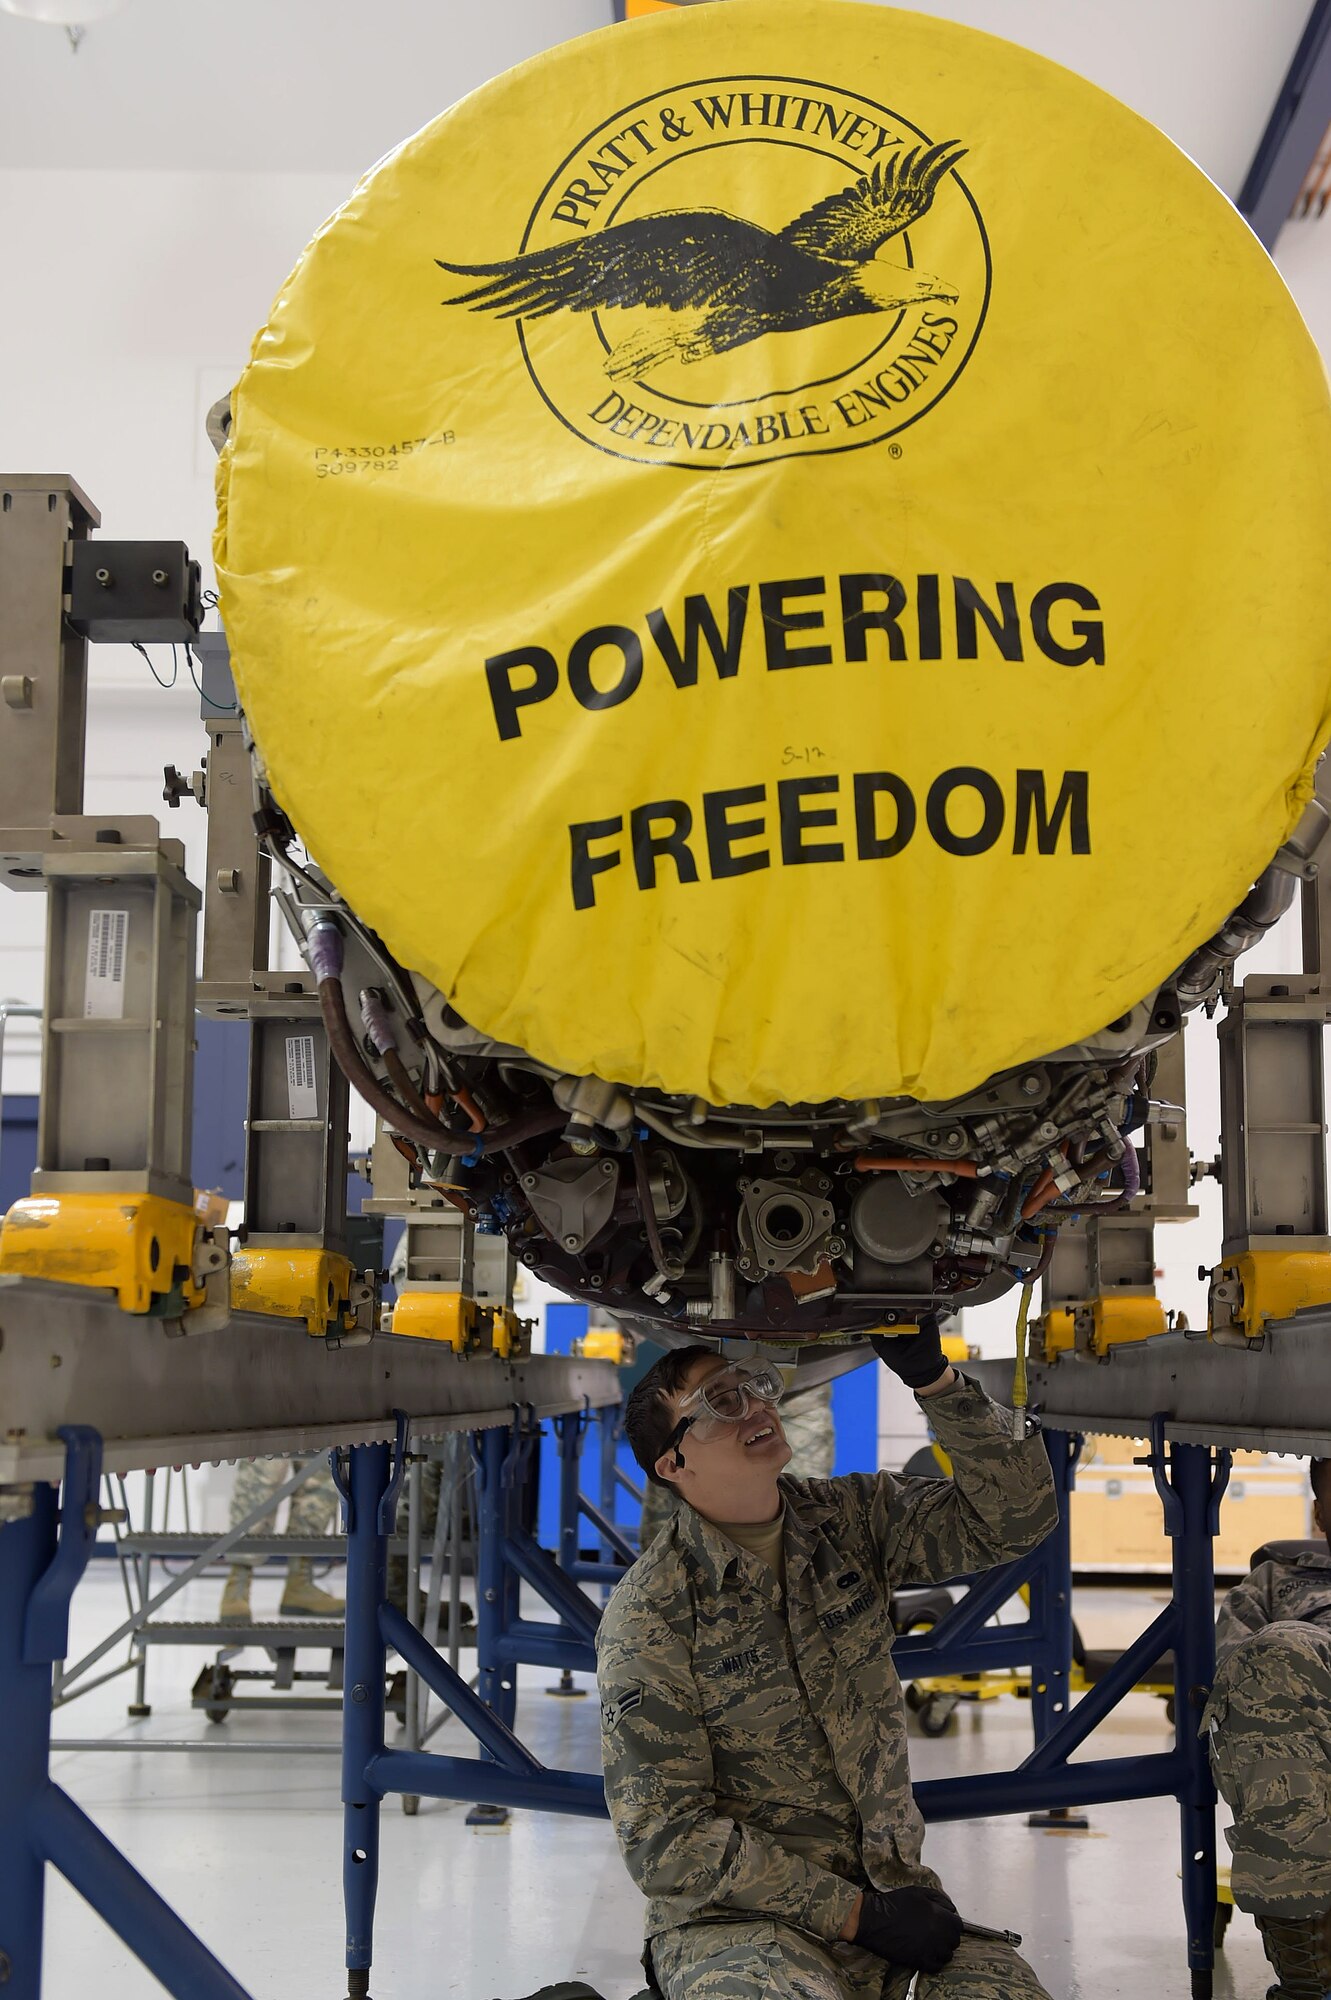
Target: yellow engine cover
[{"x": 780, "y": 453}]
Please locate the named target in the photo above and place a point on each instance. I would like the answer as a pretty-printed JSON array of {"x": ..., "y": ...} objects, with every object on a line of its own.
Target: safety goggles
[{"x": 727, "y": 1397}]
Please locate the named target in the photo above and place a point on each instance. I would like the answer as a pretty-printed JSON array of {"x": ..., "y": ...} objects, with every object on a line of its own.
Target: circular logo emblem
[{"x": 745, "y": 268}]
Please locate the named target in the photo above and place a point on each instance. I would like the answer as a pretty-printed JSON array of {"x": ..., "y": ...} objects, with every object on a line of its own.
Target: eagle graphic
[{"x": 724, "y": 281}]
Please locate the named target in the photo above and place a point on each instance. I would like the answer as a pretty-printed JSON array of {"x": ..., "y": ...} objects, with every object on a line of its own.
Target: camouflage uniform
[
  {"x": 313, "y": 1506},
  {"x": 754, "y": 1742},
  {"x": 806, "y": 1419},
  {"x": 1269, "y": 1722}
]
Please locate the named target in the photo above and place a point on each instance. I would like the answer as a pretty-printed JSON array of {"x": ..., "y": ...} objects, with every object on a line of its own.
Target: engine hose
[
  {"x": 346, "y": 1054},
  {"x": 1263, "y": 906},
  {"x": 400, "y": 1078},
  {"x": 668, "y": 1268},
  {"x": 890, "y": 1163}
]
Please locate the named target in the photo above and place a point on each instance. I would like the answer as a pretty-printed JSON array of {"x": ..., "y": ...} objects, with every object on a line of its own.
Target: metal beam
[
  {"x": 258, "y": 1388},
  {"x": 1293, "y": 133},
  {"x": 1268, "y": 1399}
]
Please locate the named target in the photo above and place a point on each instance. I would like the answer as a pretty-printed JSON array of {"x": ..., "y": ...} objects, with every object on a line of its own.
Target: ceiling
[{"x": 330, "y": 85}]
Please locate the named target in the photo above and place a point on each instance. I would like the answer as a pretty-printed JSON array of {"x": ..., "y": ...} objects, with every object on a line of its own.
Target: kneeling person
[
  {"x": 1269, "y": 1723},
  {"x": 753, "y": 1729}
]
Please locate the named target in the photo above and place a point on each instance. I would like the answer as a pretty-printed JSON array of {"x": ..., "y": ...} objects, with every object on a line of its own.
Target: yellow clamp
[
  {"x": 140, "y": 1246},
  {"x": 506, "y": 1331},
  {"x": 1261, "y": 1285},
  {"x": 602, "y": 1343},
  {"x": 1096, "y": 1325},
  {"x": 309, "y": 1285},
  {"x": 451, "y": 1318}
]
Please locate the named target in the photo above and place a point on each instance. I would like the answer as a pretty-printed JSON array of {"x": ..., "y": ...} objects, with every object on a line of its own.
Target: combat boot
[
  {"x": 1300, "y": 1950},
  {"x": 236, "y": 1597},
  {"x": 303, "y": 1598}
]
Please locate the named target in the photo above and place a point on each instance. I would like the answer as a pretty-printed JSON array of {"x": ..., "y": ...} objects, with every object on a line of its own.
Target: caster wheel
[
  {"x": 936, "y": 1715},
  {"x": 1223, "y": 1915},
  {"x": 411, "y": 1805},
  {"x": 214, "y": 1681},
  {"x": 915, "y": 1700}
]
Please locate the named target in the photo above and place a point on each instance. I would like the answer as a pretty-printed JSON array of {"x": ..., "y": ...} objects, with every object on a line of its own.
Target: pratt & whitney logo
[{"x": 742, "y": 269}]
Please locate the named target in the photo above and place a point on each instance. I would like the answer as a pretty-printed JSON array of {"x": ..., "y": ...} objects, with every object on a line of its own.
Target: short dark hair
[
  {"x": 648, "y": 1419},
  {"x": 1319, "y": 1477}
]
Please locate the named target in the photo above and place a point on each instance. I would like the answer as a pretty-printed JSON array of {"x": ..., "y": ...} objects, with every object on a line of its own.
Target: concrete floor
[{"x": 247, "y": 1849}]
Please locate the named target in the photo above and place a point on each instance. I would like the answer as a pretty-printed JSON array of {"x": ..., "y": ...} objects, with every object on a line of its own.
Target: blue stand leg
[
  {"x": 608, "y": 1415},
  {"x": 363, "y": 1707},
  {"x": 26, "y": 1549},
  {"x": 39, "y": 1570},
  {"x": 569, "y": 1432},
  {"x": 1051, "y": 1615},
  {"x": 495, "y": 1597},
  {"x": 1194, "y": 1670}
]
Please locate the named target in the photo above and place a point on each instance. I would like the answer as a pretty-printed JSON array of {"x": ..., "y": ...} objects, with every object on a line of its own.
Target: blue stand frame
[
  {"x": 1190, "y": 1480},
  {"x": 43, "y": 1554},
  {"x": 42, "y": 1557}
]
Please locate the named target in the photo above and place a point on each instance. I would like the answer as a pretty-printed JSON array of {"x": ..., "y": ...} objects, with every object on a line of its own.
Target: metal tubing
[
  {"x": 436, "y": 1777},
  {"x": 569, "y": 1430},
  {"x": 412, "y": 1718},
  {"x": 46, "y": 1618},
  {"x": 968, "y": 1615},
  {"x": 363, "y": 1707},
  {"x": 613, "y": 1540},
  {"x": 1095, "y": 1782},
  {"x": 26, "y": 1549},
  {"x": 121, "y": 1897},
  {"x": 1096, "y": 1703},
  {"x": 607, "y": 1425},
  {"x": 1051, "y": 1598},
  {"x": 460, "y": 1464},
  {"x": 421, "y": 1657},
  {"x": 534, "y": 1566},
  {"x": 1194, "y": 1670},
  {"x": 606, "y": 1574},
  {"x": 496, "y": 1585},
  {"x": 529, "y": 1644},
  {"x": 212, "y": 1746}
]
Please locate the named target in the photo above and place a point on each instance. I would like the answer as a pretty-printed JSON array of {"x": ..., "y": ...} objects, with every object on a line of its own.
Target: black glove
[
  {"x": 913, "y": 1927},
  {"x": 916, "y": 1357}
]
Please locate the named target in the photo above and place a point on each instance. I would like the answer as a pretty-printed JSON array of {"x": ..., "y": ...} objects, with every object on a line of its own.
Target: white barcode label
[
  {"x": 104, "y": 986},
  {"x": 302, "y": 1092}
]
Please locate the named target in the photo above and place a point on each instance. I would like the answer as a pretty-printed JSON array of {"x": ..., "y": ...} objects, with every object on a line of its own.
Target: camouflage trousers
[
  {"x": 1269, "y": 1723},
  {"x": 759, "y": 1960},
  {"x": 807, "y": 1422},
  {"x": 313, "y": 1505}
]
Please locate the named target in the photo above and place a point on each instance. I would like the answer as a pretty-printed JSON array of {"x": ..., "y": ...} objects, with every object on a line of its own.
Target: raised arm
[
  {"x": 998, "y": 1503},
  {"x": 659, "y": 1785}
]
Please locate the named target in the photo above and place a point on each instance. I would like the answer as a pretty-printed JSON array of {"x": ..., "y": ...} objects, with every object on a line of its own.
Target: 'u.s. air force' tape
[{"x": 783, "y": 551}]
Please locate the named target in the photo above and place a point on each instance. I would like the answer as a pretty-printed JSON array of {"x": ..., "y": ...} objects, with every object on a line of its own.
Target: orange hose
[
  {"x": 887, "y": 1163},
  {"x": 468, "y": 1103},
  {"x": 1040, "y": 1195}
]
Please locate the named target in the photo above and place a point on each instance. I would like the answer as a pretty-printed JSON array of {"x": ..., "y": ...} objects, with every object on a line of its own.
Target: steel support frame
[
  {"x": 965, "y": 1643},
  {"x": 43, "y": 1553},
  {"x": 1190, "y": 1479},
  {"x": 508, "y": 1774},
  {"x": 616, "y": 1550}
]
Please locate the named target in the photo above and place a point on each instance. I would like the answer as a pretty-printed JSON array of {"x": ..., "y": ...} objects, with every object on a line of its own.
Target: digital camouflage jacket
[
  {"x": 1300, "y": 1590},
  {"x": 754, "y": 1742}
]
